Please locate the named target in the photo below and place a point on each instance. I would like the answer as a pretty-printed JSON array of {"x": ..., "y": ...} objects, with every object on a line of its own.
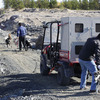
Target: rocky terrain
[{"x": 20, "y": 77}]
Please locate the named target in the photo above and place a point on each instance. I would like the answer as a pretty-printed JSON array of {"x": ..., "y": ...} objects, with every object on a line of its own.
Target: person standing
[
  {"x": 87, "y": 57},
  {"x": 21, "y": 33}
]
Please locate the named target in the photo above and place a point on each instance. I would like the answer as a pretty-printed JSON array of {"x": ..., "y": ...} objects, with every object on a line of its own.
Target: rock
[
  {"x": 4, "y": 71},
  {"x": 29, "y": 10},
  {"x": 39, "y": 42},
  {"x": 14, "y": 17}
]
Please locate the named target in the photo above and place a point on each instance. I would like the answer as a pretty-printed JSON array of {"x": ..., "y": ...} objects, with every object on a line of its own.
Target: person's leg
[
  {"x": 93, "y": 69},
  {"x": 20, "y": 45},
  {"x": 83, "y": 74},
  {"x": 24, "y": 43}
]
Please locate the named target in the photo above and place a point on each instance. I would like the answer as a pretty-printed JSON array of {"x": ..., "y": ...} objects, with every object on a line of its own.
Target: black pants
[{"x": 22, "y": 41}]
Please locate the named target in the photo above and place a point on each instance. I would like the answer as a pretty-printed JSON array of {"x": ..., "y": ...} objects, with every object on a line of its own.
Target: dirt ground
[{"x": 21, "y": 79}]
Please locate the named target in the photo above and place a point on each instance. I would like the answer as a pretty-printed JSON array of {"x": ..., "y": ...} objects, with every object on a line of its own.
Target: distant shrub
[
  {"x": 70, "y": 4},
  {"x": 17, "y": 4}
]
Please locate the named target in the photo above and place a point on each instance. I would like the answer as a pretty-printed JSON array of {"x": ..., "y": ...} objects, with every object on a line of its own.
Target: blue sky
[{"x": 1, "y": 3}]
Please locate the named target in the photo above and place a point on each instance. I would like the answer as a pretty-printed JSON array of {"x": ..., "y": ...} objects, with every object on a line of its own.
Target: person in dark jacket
[
  {"x": 21, "y": 33},
  {"x": 87, "y": 57}
]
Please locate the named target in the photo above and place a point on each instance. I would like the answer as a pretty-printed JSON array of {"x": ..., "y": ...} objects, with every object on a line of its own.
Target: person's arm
[
  {"x": 97, "y": 53},
  {"x": 25, "y": 31},
  {"x": 18, "y": 32}
]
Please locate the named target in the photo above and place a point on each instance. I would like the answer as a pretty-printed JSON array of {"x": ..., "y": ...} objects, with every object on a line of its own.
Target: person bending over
[{"x": 87, "y": 57}]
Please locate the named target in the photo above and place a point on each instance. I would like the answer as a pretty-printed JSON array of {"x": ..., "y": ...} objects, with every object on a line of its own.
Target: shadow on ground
[{"x": 33, "y": 84}]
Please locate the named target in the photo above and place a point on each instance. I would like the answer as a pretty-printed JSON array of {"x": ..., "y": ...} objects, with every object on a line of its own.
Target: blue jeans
[{"x": 85, "y": 66}]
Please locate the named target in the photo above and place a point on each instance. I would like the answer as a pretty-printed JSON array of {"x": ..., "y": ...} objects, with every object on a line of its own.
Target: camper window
[
  {"x": 78, "y": 48},
  {"x": 79, "y": 27},
  {"x": 97, "y": 27}
]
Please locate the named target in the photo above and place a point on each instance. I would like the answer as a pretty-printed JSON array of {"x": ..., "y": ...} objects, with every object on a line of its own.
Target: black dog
[
  {"x": 28, "y": 45},
  {"x": 7, "y": 41}
]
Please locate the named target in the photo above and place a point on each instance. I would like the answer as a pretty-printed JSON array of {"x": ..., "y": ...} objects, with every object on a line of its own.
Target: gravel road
[{"x": 20, "y": 78}]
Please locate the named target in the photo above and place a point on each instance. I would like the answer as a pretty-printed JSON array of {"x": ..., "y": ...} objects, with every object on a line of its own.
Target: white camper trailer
[
  {"x": 74, "y": 33},
  {"x": 63, "y": 56}
]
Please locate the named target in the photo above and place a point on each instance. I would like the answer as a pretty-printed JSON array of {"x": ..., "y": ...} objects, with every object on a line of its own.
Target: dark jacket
[{"x": 91, "y": 50}]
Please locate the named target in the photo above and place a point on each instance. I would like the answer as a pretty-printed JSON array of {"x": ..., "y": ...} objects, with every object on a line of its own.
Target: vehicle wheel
[
  {"x": 44, "y": 70},
  {"x": 61, "y": 77}
]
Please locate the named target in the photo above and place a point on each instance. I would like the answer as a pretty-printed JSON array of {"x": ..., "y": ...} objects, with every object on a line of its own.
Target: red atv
[{"x": 54, "y": 58}]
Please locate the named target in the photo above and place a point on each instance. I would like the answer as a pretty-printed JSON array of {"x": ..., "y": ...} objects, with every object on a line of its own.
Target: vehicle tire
[
  {"x": 44, "y": 70},
  {"x": 61, "y": 77}
]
